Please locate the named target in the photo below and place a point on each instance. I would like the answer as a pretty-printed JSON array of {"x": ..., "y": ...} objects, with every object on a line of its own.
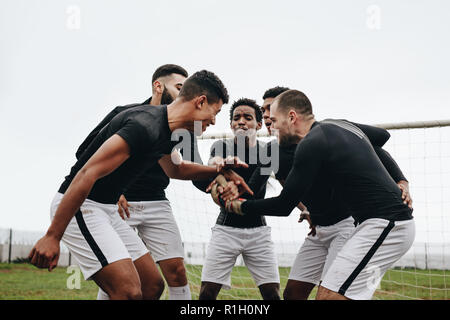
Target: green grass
[{"x": 24, "y": 281}]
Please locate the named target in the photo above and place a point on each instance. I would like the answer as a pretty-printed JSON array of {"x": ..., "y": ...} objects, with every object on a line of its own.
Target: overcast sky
[{"x": 65, "y": 64}]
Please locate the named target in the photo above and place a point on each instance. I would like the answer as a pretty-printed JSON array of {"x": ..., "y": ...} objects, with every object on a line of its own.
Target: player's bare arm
[
  {"x": 108, "y": 157},
  {"x": 186, "y": 170}
]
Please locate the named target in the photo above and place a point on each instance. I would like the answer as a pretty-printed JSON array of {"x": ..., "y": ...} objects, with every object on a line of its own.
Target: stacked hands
[
  {"x": 228, "y": 185},
  {"x": 225, "y": 194}
]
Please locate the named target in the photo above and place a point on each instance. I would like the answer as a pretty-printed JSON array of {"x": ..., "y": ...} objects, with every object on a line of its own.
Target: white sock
[
  {"x": 102, "y": 295},
  {"x": 180, "y": 293}
]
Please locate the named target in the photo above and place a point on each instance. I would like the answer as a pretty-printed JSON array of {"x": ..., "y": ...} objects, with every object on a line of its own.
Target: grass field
[{"x": 23, "y": 281}]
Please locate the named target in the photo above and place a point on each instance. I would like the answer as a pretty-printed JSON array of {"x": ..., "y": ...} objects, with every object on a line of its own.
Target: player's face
[
  {"x": 244, "y": 121},
  {"x": 281, "y": 127},
  {"x": 207, "y": 113},
  {"x": 266, "y": 113},
  {"x": 172, "y": 86}
]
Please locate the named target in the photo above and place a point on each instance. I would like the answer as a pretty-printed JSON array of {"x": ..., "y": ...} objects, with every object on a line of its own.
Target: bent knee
[{"x": 129, "y": 292}]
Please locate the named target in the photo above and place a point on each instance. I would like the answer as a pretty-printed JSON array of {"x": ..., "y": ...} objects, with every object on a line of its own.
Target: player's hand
[
  {"x": 123, "y": 207},
  {"x": 233, "y": 162},
  {"x": 45, "y": 253},
  {"x": 305, "y": 215},
  {"x": 243, "y": 187},
  {"x": 229, "y": 162},
  {"x": 229, "y": 205},
  {"x": 406, "y": 196},
  {"x": 229, "y": 192}
]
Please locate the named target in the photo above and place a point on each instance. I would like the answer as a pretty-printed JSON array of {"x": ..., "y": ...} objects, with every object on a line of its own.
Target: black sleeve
[
  {"x": 390, "y": 164},
  {"x": 257, "y": 181},
  {"x": 136, "y": 136},
  {"x": 96, "y": 130},
  {"x": 309, "y": 157},
  {"x": 377, "y": 136}
]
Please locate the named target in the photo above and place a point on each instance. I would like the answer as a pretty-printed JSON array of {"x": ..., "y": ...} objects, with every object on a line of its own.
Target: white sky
[{"x": 57, "y": 81}]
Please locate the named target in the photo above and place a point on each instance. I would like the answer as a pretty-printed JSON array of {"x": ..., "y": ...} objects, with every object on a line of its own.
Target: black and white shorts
[
  {"x": 375, "y": 245},
  {"x": 318, "y": 252},
  {"x": 256, "y": 247},
  {"x": 97, "y": 236},
  {"x": 157, "y": 227}
]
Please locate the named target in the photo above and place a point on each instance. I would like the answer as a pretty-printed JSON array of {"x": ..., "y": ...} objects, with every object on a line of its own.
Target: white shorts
[
  {"x": 318, "y": 252},
  {"x": 97, "y": 236},
  {"x": 374, "y": 246},
  {"x": 256, "y": 247},
  {"x": 156, "y": 226}
]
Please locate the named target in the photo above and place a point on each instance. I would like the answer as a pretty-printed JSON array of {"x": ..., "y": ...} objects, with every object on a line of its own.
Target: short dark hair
[
  {"x": 273, "y": 92},
  {"x": 168, "y": 69},
  {"x": 294, "y": 99},
  {"x": 247, "y": 102},
  {"x": 204, "y": 83}
]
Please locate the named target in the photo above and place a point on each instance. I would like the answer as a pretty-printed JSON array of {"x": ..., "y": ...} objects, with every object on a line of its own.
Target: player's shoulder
[
  {"x": 330, "y": 126},
  {"x": 145, "y": 114}
]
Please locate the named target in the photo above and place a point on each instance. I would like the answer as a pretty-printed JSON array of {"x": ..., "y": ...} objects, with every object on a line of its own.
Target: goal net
[{"x": 422, "y": 150}]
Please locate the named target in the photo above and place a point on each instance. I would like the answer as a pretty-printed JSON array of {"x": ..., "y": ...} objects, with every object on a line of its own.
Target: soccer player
[
  {"x": 145, "y": 203},
  {"x": 84, "y": 212},
  {"x": 247, "y": 235},
  {"x": 321, "y": 246},
  {"x": 319, "y": 250},
  {"x": 338, "y": 153},
  {"x": 284, "y": 153},
  {"x": 268, "y": 98}
]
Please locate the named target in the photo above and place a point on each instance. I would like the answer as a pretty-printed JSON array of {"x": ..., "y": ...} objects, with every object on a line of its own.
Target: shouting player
[
  {"x": 151, "y": 213},
  {"x": 84, "y": 210}
]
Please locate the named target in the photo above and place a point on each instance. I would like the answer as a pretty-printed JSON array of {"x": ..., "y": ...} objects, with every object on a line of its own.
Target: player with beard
[
  {"x": 319, "y": 250},
  {"x": 339, "y": 156},
  {"x": 235, "y": 235},
  {"x": 145, "y": 204},
  {"x": 84, "y": 212}
]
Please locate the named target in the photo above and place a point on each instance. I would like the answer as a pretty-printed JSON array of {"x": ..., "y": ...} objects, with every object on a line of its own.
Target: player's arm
[
  {"x": 258, "y": 180},
  {"x": 308, "y": 159},
  {"x": 396, "y": 173},
  {"x": 377, "y": 136},
  {"x": 177, "y": 168},
  {"x": 108, "y": 157},
  {"x": 300, "y": 205}
]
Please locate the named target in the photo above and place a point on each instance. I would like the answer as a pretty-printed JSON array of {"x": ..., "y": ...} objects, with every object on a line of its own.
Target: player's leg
[
  {"x": 307, "y": 268},
  {"x": 260, "y": 259},
  {"x": 338, "y": 233},
  {"x": 160, "y": 233},
  {"x": 371, "y": 250},
  {"x": 297, "y": 290},
  {"x": 174, "y": 272},
  {"x": 119, "y": 280},
  {"x": 133, "y": 221},
  {"x": 223, "y": 249},
  {"x": 152, "y": 284},
  {"x": 209, "y": 290},
  {"x": 270, "y": 291},
  {"x": 99, "y": 251},
  {"x": 325, "y": 294}
]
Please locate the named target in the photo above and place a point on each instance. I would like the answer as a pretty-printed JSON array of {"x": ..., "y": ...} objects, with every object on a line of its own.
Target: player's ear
[
  {"x": 158, "y": 87},
  {"x": 292, "y": 116},
  {"x": 258, "y": 125},
  {"x": 200, "y": 101}
]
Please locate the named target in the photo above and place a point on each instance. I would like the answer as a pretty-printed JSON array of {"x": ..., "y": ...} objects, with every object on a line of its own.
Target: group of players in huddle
[{"x": 349, "y": 189}]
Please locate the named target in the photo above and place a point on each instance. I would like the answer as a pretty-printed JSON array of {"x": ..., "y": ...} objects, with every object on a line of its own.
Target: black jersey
[
  {"x": 146, "y": 130},
  {"x": 252, "y": 176},
  {"x": 339, "y": 155},
  {"x": 151, "y": 184}
]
